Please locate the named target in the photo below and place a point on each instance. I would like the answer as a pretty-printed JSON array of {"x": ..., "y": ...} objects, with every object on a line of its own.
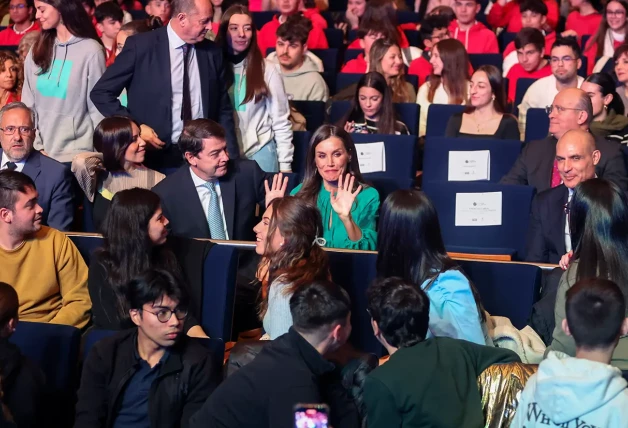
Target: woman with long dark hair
[
  {"x": 257, "y": 94},
  {"x": 333, "y": 182},
  {"x": 119, "y": 165},
  {"x": 290, "y": 243},
  {"x": 598, "y": 225},
  {"x": 135, "y": 239},
  {"x": 449, "y": 81},
  {"x": 608, "y": 109},
  {"x": 372, "y": 110},
  {"x": 611, "y": 34},
  {"x": 485, "y": 115},
  {"x": 410, "y": 246},
  {"x": 11, "y": 77},
  {"x": 59, "y": 73}
]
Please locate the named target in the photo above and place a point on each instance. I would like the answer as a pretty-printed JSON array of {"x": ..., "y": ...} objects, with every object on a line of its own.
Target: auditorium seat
[
  {"x": 338, "y": 111},
  {"x": 414, "y": 37},
  {"x": 343, "y": 80},
  {"x": 506, "y": 289},
  {"x": 582, "y": 71},
  {"x": 438, "y": 117},
  {"x": 261, "y": 18},
  {"x": 537, "y": 124},
  {"x": 400, "y": 154},
  {"x": 508, "y": 238},
  {"x": 301, "y": 143},
  {"x": 478, "y": 60},
  {"x": 352, "y": 54},
  {"x": 504, "y": 38},
  {"x": 55, "y": 349},
  {"x": 11, "y": 48},
  {"x": 503, "y": 154},
  {"x": 138, "y": 14},
  {"x": 86, "y": 244},
  {"x": 335, "y": 38},
  {"x": 313, "y": 111},
  {"x": 330, "y": 80},
  {"x": 520, "y": 90}
]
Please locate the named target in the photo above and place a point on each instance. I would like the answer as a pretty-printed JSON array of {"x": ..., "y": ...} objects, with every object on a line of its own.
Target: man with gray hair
[
  {"x": 53, "y": 180},
  {"x": 537, "y": 164}
]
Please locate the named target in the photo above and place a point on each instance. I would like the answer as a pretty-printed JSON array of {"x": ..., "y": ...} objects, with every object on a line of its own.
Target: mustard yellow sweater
[{"x": 50, "y": 278}]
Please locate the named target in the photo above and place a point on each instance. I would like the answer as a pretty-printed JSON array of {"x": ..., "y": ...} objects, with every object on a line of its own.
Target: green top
[
  {"x": 363, "y": 212},
  {"x": 431, "y": 384}
]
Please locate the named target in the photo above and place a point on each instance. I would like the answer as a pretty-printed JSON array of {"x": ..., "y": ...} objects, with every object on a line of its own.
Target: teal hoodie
[
  {"x": 573, "y": 392},
  {"x": 66, "y": 117}
]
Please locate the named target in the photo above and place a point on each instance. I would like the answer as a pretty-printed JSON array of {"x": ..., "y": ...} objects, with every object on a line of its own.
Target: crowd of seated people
[{"x": 173, "y": 134}]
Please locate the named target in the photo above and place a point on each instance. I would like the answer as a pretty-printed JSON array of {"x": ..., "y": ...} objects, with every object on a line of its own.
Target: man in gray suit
[{"x": 52, "y": 179}]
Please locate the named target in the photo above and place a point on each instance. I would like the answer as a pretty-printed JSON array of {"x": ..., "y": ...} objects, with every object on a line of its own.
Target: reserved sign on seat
[{"x": 469, "y": 165}]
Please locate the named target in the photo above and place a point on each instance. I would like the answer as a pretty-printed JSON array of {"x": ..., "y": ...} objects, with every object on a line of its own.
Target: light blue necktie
[{"x": 214, "y": 218}]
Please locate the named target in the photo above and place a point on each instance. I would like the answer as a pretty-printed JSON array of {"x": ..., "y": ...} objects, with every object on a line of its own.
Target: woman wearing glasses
[
  {"x": 610, "y": 35},
  {"x": 136, "y": 239}
]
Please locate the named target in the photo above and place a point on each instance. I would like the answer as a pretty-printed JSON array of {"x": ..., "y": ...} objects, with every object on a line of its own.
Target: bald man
[
  {"x": 537, "y": 166},
  {"x": 548, "y": 234}
]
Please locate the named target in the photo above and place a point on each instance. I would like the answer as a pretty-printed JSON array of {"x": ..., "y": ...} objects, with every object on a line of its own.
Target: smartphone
[{"x": 311, "y": 415}]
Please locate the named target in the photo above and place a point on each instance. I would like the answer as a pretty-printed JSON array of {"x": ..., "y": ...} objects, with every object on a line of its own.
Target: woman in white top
[
  {"x": 257, "y": 94},
  {"x": 449, "y": 81}
]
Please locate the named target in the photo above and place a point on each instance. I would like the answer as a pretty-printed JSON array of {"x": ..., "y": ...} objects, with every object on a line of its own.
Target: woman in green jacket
[{"x": 334, "y": 183}]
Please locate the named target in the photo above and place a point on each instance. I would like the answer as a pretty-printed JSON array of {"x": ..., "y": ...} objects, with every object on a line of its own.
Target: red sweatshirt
[
  {"x": 583, "y": 25},
  {"x": 267, "y": 36},
  {"x": 477, "y": 40},
  {"x": 8, "y": 36},
  {"x": 591, "y": 53},
  {"x": 517, "y": 72},
  {"x": 509, "y": 16},
  {"x": 356, "y": 65},
  {"x": 316, "y": 18},
  {"x": 549, "y": 41},
  {"x": 403, "y": 41}
]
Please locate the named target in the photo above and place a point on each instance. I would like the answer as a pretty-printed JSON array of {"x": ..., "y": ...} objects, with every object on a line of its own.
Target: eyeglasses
[
  {"x": 559, "y": 109},
  {"x": 615, "y": 12},
  {"x": 17, "y": 6},
  {"x": 164, "y": 315},
  {"x": 10, "y": 130},
  {"x": 564, "y": 60}
]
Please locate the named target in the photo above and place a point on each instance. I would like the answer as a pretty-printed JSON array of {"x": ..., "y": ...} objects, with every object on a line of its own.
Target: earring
[
  {"x": 493, "y": 97},
  {"x": 605, "y": 107}
]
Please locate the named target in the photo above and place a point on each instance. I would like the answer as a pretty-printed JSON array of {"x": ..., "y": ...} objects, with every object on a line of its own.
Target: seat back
[
  {"x": 400, "y": 154},
  {"x": 582, "y": 71},
  {"x": 478, "y": 60},
  {"x": 86, "y": 245},
  {"x": 335, "y": 37},
  {"x": 338, "y": 110},
  {"x": 520, "y": 90},
  {"x": 313, "y": 111},
  {"x": 507, "y": 238},
  {"x": 438, "y": 117},
  {"x": 262, "y": 18},
  {"x": 352, "y": 54},
  {"x": 436, "y": 156},
  {"x": 346, "y": 79},
  {"x": 219, "y": 284},
  {"x": 301, "y": 143},
  {"x": 537, "y": 124},
  {"x": 329, "y": 57}
]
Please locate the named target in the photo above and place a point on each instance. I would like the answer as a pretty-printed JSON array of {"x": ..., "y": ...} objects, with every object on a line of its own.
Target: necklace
[{"x": 480, "y": 125}]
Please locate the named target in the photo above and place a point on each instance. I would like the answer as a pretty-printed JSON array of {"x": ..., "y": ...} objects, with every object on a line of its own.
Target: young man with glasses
[
  {"x": 152, "y": 375},
  {"x": 565, "y": 62},
  {"x": 21, "y": 13}
]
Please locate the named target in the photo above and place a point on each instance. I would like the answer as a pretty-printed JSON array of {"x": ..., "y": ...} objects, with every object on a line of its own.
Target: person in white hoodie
[
  {"x": 257, "y": 93},
  {"x": 59, "y": 73},
  {"x": 585, "y": 390}
]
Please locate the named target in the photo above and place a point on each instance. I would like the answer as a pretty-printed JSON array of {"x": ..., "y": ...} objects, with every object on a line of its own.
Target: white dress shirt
[
  {"x": 176, "y": 76},
  {"x": 205, "y": 197},
  {"x": 5, "y": 159},
  {"x": 567, "y": 234}
]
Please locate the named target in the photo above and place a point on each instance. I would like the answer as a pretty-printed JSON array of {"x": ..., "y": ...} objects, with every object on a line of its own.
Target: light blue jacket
[
  {"x": 573, "y": 392},
  {"x": 453, "y": 312}
]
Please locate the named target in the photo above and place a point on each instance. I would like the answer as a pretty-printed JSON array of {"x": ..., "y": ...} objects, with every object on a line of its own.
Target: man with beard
[
  {"x": 41, "y": 263},
  {"x": 52, "y": 179},
  {"x": 565, "y": 61}
]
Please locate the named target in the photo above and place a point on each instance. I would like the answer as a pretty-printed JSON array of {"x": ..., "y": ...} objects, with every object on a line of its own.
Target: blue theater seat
[
  {"x": 582, "y": 71},
  {"x": 522, "y": 87},
  {"x": 262, "y": 18},
  {"x": 11, "y": 48},
  {"x": 301, "y": 142},
  {"x": 313, "y": 111},
  {"x": 508, "y": 238},
  {"x": 414, "y": 38},
  {"x": 400, "y": 154},
  {"x": 86, "y": 245},
  {"x": 478, "y": 60},
  {"x": 335, "y": 37},
  {"x": 138, "y": 14},
  {"x": 537, "y": 124},
  {"x": 504, "y": 39},
  {"x": 344, "y": 80},
  {"x": 352, "y": 54},
  {"x": 504, "y": 153},
  {"x": 438, "y": 117}
]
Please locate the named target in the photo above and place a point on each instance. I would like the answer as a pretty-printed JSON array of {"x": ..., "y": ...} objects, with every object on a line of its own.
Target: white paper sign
[
  {"x": 469, "y": 165},
  {"x": 479, "y": 209},
  {"x": 372, "y": 157}
]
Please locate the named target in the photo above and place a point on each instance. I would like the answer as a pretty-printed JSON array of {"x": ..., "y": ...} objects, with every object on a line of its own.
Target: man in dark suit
[
  {"x": 171, "y": 75},
  {"x": 536, "y": 164},
  {"x": 52, "y": 179},
  {"x": 548, "y": 233}
]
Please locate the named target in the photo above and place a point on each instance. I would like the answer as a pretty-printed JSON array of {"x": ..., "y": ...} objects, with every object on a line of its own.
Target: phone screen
[{"x": 311, "y": 416}]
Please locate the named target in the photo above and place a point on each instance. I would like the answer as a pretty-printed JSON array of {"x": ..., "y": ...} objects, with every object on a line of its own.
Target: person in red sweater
[
  {"x": 108, "y": 21},
  {"x": 533, "y": 15},
  {"x": 476, "y": 38},
  {"x": 584, "y": 20},
  {"x": 507, "y": 15},
  {"x": 160, "y": 8},
  {"x": 386, "y": 12},
  {"x": 434, "y": 28},
  {"x": 21, "y": 13},
  {"x": 267, "y": 36},
  {"x": 610, "y": 35},
  {"x": 312, "y": 13},
  {"x": 530, "y": 49},
  {"x": 370, "y": 30}
]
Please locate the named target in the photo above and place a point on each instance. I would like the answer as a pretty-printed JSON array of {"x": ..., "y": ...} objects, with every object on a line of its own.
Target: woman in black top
[
  {"x": 372, "y": 110},
  {"x": 485, "y": 116},
  {"x": 136, "y": 239}
]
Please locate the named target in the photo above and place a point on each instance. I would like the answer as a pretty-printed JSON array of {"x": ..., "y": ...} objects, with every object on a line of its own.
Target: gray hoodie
[
  {"x": 304, "y": 83},
  {"x": 65, "y": 115}
]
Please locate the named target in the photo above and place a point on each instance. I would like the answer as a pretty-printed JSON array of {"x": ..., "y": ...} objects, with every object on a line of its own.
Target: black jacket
[
  {"x": 546, "y": 233},
  {"x": 23, "y": 387},
  {"x": 534, "y": 165},
  {"x": 184, "y": 382},
  {"x": 262, "y": 394}
]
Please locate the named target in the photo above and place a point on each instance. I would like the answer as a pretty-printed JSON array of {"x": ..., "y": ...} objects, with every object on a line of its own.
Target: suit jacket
[
  {"x": 546, "y": 232},
  {"x": 53, "y": 182},
  {"x": 143, "y": 68},
  {"x": 534, "y": 165},
  {"x": 242, "y": 188}
]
